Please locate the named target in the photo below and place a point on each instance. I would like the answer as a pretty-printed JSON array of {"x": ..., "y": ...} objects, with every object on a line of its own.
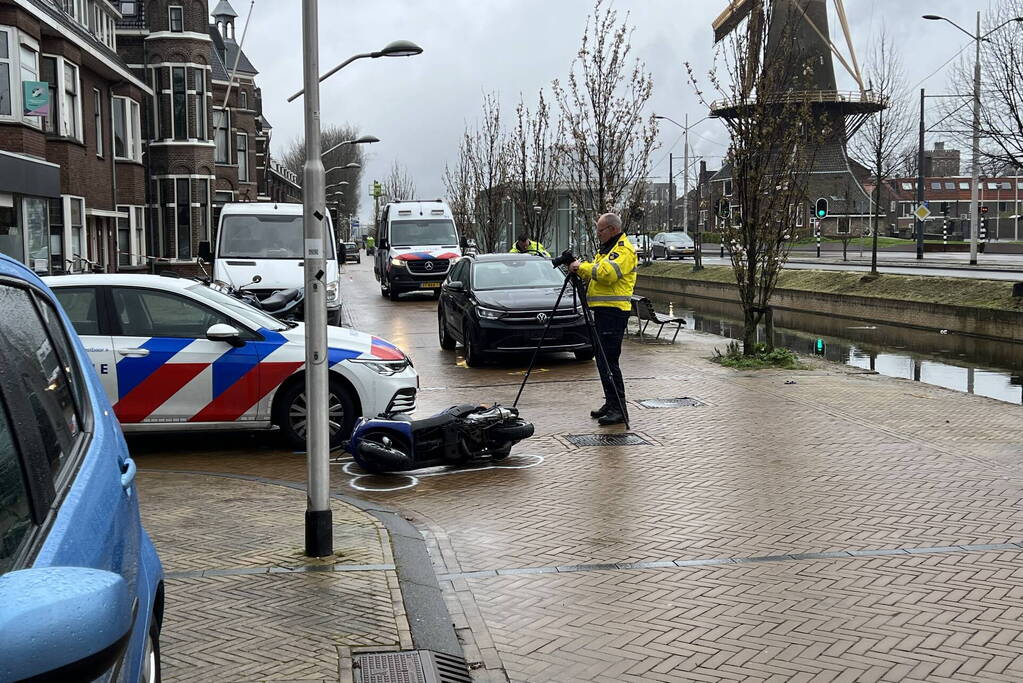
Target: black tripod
[{"x": 578, "y": 295}]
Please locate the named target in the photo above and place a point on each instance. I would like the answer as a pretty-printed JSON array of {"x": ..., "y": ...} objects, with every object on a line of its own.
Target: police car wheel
[{"x": 292, "y": 414}]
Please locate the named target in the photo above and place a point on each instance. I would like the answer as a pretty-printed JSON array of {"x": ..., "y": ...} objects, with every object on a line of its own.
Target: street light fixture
[
  {"x": 319, "y": 537},
  {"x": 353, "y": 164},
  {"x": 697, "y": 256},
  {"x": 975, "y": 191},
  {"x": 361, "y": 140},
  {"x": 398, "y": 48}
]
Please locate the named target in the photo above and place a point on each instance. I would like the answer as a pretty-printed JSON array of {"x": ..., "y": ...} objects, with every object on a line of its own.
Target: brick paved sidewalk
[{"x": 244, "y": 603}]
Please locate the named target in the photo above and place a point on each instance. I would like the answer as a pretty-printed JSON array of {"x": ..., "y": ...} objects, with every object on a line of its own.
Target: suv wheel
[
  {"x": 446, "y": 341},
  {"x": 473, "y": 355}
]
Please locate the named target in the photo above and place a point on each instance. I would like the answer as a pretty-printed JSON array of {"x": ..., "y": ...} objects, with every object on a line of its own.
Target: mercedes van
[
  {"x": 267, "y": 239},
  {"x": 417, "y": 244}
]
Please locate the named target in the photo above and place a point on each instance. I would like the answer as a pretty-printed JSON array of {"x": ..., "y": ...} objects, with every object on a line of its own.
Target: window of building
[
  {"x": 243, "y": 157},
  {"x": 204, "y": 209},
  {"x": 935, "y": 185},
  {"x": 177, "y": 19},
  {"x": 97, "y": 106},
  {"x": 992, "y": 186},
  {"x": 179, "y": 103},
  {"x": 950, "y": 186},
  {"x": 128, "y": 8},
  {"x": 1005, "y": 185},
  {"x": 183, "y": 241},
  {"x": 57, "y": 263},
  {"x": 139, "y": 219},
  {"x": 907, "y": 186},
  {"x": 76, "y": 243},
  {"x": 6, "y": 66},
  {"x": 728, "y": 188},
  {"x": 199, "y": 75},
  {"x": 244, "y": 99},
  {"x": 70, "y": 119},
  {"x": 221, "y": 127},
  {"x": 49, "y": 74},
  {"x": 1003, "y": 206},
  {"x": 28, "y": 60},
  {"x": 964, "y": 186},
  {"x": 124, "y": 255},
  {"x": 127, "y": 130}
]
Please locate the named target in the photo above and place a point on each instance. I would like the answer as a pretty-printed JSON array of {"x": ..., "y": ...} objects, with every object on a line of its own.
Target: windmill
[{"x": 798, "y": 33}]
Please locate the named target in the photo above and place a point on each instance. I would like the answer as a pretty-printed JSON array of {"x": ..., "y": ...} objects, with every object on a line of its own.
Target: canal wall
[{"x": 995, "y": 324}]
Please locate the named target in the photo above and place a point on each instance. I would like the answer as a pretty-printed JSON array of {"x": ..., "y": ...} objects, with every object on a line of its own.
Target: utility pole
[
  {"x": 920, "y": 182},
  {"x": 975, "y": 191},
  {"x": 319, "y": 541},
  {"x": 685, "y": 177},
  {"x": 671, "y": 188}
]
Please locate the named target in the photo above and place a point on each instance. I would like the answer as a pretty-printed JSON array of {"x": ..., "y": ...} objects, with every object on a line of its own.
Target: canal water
[{"x": 977, "y": 366}]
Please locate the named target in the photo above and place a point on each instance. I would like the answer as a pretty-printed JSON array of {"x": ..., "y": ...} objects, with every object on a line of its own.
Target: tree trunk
[
  {"x": 749, "y": 332},
  {"x": 769, "y": 327}
]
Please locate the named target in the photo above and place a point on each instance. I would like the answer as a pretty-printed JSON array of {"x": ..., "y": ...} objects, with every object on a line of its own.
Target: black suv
[{"x": 500, "y": 303}]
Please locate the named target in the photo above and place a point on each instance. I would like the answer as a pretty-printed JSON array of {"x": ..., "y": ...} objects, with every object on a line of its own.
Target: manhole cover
[
  {"x": 417, "y": 666},
  {"x": 606, "y": 440},
  {"x": 684, "y": 402}
]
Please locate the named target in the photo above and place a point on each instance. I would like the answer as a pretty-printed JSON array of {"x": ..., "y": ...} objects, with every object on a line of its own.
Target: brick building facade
[{"x": 71, "y": 181}]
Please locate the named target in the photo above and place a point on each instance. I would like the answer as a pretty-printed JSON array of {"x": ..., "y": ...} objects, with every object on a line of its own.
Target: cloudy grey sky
[{"x": 419, "y": 106}]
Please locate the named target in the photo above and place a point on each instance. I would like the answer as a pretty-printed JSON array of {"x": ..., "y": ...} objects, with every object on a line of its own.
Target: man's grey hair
[{"x": 612, "y": 219}]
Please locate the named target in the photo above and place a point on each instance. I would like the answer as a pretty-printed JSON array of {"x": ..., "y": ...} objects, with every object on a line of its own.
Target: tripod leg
[
  {"x": 543, "y": 336},
  {"x": 595, "y": 340}
]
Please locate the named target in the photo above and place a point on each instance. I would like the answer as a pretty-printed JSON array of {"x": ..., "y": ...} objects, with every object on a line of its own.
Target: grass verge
[
  {"x": 762, "y": 359},
  {"x": 949, "y": 291}
]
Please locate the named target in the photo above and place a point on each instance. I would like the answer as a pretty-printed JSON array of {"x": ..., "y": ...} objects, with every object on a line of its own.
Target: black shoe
[
  {"x": 612, "y": 417},
  {"x": 599, "y": 412}
]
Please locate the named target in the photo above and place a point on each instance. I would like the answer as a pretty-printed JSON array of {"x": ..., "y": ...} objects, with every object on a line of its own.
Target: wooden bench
[{"x": 645, "y": 312}]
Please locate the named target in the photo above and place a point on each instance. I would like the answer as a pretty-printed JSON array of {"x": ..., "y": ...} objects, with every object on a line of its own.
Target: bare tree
[
  {"x": 609, "y": 139},
  {"x": 334, "y": 163},
  {"x": 878, "y": 143},
  {"x": 774, "y": 134},
  {"x": 399, "y": 185},
  {"x": 1001, "y": 112},
  {"x": 461, "y": 198},
  {"x": 485, "y": 150},
  {"x": 535, "y": 166}
]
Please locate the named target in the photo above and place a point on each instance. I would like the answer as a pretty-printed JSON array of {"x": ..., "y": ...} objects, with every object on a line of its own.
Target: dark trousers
[{"x": 611, "y": 324}]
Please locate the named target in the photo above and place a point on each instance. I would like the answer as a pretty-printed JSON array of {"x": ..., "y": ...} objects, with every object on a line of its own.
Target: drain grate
[
  {"x": 684, "y": 402},
  {"x": 416, "y": 666},
  {"x": 606, "y": 440}
]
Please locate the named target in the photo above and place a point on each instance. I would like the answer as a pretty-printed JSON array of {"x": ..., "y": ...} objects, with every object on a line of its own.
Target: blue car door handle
[{"x": 128, "y": 470}]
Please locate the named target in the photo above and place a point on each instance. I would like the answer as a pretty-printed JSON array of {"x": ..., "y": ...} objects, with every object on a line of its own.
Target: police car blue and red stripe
[{"x": 174, "y": 354}]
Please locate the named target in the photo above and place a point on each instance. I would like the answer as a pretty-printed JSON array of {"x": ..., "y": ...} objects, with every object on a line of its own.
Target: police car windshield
[
  {"x": 264, "y": 237},
  {"x": 414, "y": 233},
  {"x": 248, "y": 313},
  {"x": 515, "y": 274}
]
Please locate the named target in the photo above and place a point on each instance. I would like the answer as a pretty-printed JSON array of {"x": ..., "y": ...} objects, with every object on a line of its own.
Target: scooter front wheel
[{"x": 382, "y": 451}]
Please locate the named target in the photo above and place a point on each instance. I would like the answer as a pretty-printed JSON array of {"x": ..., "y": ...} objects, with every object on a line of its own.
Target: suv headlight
[
  {"x": 489, "y": 313},
  {"x": 383, "y": 367},
  {"x": 332, "y": 292},
  {"x": 397, "y": 263}
]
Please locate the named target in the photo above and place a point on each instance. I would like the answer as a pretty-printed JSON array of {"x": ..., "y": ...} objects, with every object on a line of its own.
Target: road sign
[{"x": 922, "y": 212}]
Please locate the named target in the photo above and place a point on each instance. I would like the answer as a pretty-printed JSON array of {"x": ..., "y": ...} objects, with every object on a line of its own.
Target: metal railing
[{"x": 799, "y": 97}]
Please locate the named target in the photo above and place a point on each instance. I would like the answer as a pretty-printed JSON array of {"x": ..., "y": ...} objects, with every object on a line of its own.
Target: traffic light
[
  {"x": 983, "y": 209},
  {"x": 822, "y": 208},
  {"x": 983, "y": 228},
  {"x": 944, "y": 208}
]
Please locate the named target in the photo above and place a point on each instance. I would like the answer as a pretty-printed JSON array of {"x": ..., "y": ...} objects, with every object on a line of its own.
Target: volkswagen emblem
[
  {"x": 429, "y": 265},
  {"x": 541, "y": 318}
]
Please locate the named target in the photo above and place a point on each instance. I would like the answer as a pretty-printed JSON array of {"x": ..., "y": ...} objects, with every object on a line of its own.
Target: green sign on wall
[{"x": 36, "y": 96}]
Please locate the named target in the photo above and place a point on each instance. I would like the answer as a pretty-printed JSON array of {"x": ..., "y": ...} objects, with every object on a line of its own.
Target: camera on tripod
[{"x": 566, "y": 258}]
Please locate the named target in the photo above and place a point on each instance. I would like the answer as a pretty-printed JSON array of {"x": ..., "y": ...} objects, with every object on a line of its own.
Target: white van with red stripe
[
  {"x": 174, "y": 354},
  {"x": 417, "y": 244}
]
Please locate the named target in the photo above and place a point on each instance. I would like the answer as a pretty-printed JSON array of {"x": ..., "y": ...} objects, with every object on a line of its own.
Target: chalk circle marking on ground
[{"x": 360, "y": 481}]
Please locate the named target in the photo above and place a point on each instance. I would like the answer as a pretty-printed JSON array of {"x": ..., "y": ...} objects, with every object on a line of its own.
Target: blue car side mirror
[{"x": 67, "y": 623}]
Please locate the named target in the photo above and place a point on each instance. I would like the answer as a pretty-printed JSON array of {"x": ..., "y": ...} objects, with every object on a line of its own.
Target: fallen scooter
[{"x": 456, "y": 436}]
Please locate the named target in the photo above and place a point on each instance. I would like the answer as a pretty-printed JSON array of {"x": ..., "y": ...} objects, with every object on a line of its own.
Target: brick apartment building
[{"x": 72, "y": 183}]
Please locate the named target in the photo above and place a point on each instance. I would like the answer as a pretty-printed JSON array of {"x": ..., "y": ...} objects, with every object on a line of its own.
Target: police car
[{"x": 175, "y": 354}]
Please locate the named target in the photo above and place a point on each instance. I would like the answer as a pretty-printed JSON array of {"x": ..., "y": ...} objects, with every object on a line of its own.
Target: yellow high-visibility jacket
[
  {"x": 533, "y": 248},
  {"x": 611, "y": 276}
]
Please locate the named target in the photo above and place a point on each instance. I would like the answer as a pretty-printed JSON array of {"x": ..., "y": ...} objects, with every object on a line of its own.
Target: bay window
[
  {"x": 179, "y": 103},
  {"x": 70, "y": 123},
  {"x": 184, "y": 222},
  {"x": 65, "y": 117},
  {"x": 199, "y": 75},
  {"x": 127, "y": 130},
  {"x": 5, "y": 71}
]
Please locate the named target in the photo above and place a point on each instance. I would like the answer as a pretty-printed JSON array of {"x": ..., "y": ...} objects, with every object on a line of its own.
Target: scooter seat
[
  {"x": 443, "y": 418},
  {"x": 280, "y": 299}
]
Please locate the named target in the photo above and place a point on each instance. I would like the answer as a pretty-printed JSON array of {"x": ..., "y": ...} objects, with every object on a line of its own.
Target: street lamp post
[
  {"x": 399, "y": 48},
  {"x": 697, "y": 256},
  {"x": 319, "y": 540},
  {"x": 974, "y": 193}
]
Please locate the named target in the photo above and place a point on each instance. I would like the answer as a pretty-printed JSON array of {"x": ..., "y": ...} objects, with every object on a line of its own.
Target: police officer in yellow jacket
[
  {"x": 611, "y": 277},
  {"x": 524, "y": 245}
]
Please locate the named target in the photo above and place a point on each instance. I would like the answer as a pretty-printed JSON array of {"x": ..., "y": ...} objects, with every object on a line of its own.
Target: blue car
[{"x": 81, "y": 586}]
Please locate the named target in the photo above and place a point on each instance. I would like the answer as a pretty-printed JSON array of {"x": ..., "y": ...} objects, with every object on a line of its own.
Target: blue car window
[
  {"x": 15, "y": 515},
  {"x": 42, "y": 379},
  {"x": 63, "y": 345}
]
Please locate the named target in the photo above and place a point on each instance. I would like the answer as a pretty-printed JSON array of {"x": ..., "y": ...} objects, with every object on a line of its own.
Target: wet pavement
[{"x": 825, "y": 524}]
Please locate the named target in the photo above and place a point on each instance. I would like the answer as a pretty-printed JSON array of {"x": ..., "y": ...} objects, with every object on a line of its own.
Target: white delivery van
[
  {"x": 267, "y": 239},
  {"x": 416, "y": 245}
]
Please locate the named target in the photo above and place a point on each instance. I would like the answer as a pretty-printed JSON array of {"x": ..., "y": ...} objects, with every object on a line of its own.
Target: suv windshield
[
  {"x": 414, "y": 233},
  {"x": 269, "y": 237},
  {"x": 515, "y": 274}
]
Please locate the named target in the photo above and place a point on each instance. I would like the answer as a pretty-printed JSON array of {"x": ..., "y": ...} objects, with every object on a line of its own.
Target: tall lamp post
[
  {"x": 974, "y": 192},
  {"x": 698, "y": 256},
  {"x": 319, "y": 541}
]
